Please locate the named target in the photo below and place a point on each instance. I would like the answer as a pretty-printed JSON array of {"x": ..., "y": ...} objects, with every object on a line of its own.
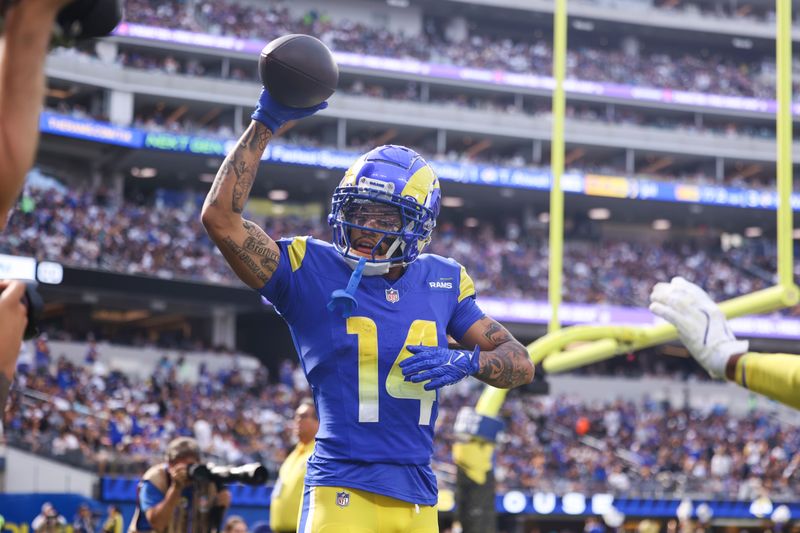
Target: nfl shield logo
[
  {"x": 392, "y": 296},
  {"x": 343, "y": 499}
]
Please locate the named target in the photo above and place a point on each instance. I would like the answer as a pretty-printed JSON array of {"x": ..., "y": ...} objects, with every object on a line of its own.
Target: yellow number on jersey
[
  {"x": 420, "y": 332},
  {"x": 367, "y": 333}
]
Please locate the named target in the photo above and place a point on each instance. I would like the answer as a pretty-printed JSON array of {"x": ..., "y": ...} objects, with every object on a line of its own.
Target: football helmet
[{"x": 390, "y": 192}]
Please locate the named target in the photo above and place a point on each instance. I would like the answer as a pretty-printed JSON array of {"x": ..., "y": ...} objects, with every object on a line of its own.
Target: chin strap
[
  {"x": 370, "y": 268},
  {"x": 345, "y": 298}
]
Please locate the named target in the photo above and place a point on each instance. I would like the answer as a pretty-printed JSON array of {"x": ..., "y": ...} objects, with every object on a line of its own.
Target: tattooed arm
[
  {"x": 251, "y": 253},
  {"x": 504, "y": 361}
]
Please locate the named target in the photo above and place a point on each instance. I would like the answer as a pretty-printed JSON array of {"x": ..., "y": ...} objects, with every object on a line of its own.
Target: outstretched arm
[
  {"x": 23, "y": 48},
  {"x": 703, "y": 329},
  {"x": 504, "y": 362},
  {"x": 775, "y": 375}
]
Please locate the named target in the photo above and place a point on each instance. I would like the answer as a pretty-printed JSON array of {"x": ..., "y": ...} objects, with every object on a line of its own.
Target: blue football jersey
[{"x": 376, "y": 429}]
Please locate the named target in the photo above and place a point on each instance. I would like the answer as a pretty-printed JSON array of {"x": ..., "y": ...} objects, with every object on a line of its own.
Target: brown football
[{"x": 298, "y": 70}]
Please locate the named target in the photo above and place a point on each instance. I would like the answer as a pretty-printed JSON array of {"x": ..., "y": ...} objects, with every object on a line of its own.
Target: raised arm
[
  {"x": 250, "y": 252},
  {"x": 504, "y": 362}
]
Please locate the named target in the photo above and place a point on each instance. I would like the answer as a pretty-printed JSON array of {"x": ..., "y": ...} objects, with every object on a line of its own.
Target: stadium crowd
[
  {"x": 92, "y": 415},
  {"x": 737, "y": 174},
  {"x": 709, "y": 72},
  {"x": 165, "y": 239}
]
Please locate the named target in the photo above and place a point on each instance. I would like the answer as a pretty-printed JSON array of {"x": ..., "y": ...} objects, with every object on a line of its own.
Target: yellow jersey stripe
[
  {"x": 297, "y": 251},
  {"x": 466, "y": 286}
]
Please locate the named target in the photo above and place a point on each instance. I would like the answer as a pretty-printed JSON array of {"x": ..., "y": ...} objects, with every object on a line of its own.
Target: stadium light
[
  {"x": 752, "y": 232},
  {"x": 278, "y": 195},
  {"x": 599, "y": 213},
  {"x": 452, "y": 201},
  {"x": 144, "y": 172},
  {"x": 583, "y": 25},
  {"x": 661, "y": 224}
]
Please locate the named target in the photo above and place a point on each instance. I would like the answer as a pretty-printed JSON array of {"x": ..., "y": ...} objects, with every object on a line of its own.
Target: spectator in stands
[
  {"x": 288, "y": 491},
  {"x": 49, "y": 521},
  {"x": 716, "y": 72},
  {"x": 113, "y": 523}
]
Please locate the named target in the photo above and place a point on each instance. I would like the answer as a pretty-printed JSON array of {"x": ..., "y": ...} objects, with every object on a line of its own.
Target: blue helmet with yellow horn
[{"x": 393, "y": 176}]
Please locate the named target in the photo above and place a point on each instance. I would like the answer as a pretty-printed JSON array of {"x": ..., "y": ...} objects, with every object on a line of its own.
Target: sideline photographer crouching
[{"x": 184, "y": 495}]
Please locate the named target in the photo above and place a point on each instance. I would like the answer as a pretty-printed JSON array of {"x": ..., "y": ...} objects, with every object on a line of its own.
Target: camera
[
  {"x": 35, "y": 305},
  {"x": 249, "y": 474}
]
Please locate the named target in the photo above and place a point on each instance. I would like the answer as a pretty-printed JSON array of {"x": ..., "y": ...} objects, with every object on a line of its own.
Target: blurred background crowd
[
  {"x": 91, "y": 229},
  {"x": 707, "y": 72},
  {"x": 92, "y": 415}
]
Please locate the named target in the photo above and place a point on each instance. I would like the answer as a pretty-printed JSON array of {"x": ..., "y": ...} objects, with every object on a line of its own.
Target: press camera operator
[{"x": 168, "y": 500}]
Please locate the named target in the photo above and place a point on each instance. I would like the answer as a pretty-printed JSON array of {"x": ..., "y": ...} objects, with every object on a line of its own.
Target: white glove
[{"x": 701, "y": 325}]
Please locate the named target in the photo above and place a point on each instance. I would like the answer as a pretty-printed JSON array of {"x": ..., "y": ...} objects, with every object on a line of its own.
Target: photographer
[
  {"x": 169, "y": 500},
  {"x": 49, "y": 521},
  {"x": 14, "y": 319}
]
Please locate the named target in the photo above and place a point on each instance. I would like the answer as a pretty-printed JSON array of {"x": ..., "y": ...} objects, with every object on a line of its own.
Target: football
[{"x": 298, "y": 70}]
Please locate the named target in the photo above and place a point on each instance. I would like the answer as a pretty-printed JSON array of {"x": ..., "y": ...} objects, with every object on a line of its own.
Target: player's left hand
[{"x": 439, "y": 366}]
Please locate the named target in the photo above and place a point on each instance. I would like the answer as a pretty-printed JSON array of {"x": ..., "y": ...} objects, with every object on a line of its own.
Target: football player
[
  {"x": 703, "y": 329},
  {"x": 369, "y": 314}
]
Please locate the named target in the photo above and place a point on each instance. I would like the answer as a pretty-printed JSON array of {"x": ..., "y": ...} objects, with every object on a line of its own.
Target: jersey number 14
[{"x": 420, "y": 332}]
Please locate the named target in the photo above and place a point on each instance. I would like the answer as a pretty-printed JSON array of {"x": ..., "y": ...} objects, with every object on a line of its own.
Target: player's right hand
[
  {"x": 274, "y": 114},
  {"x": 180, "y": 475},
  {"x": 13, "y": 320},
  {"x": 700, "y": 322}
]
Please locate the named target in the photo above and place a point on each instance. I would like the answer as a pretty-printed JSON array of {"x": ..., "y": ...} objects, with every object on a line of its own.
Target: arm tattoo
[
  {"x": 508, "y": 364},
  {"x": 247, "y": 260},
  {"x": 255, "y": 255},
  {"x": 258, "y": 243},
  {"x": 495, "y": 333},
  {"x": 240, "y": 167},
  {"x": 213, "y": 194},
  {"x": 5, "y": 386}
]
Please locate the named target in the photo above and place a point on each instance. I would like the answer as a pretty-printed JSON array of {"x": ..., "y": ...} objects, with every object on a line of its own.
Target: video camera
[{"x": 249, "y": 474}]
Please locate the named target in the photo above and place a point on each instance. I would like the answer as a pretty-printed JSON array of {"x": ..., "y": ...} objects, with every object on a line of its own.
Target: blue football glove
[
  {"x": 274, "y": 114},
  {"x": 440, "y": 366}
]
